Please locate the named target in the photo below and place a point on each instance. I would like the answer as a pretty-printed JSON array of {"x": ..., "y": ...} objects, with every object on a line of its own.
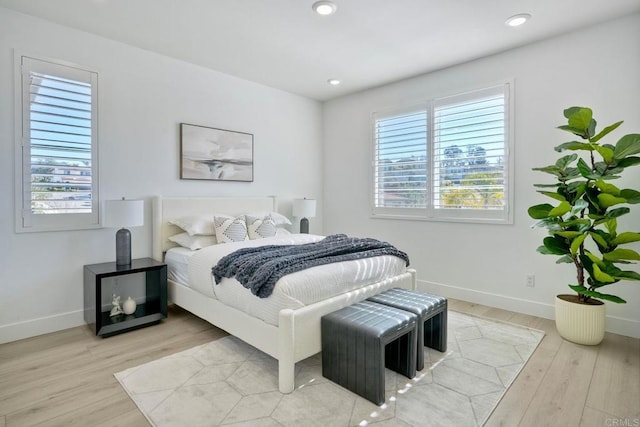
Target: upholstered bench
[
  {"x": 359, "y": 340},
  {"x": 432, "y": 317}
]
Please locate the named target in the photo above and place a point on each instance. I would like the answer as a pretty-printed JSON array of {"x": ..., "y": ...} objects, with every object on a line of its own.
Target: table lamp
[
  {"x": 123, "y": 213},
  {"x": 304, "y": 208}
]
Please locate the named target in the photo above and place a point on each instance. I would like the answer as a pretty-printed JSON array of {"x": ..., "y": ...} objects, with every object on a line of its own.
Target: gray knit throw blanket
[{"x": 259, "y": 268}]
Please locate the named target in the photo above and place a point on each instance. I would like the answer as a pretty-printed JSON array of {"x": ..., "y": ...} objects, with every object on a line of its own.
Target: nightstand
[{"x": 101, "y": 280}]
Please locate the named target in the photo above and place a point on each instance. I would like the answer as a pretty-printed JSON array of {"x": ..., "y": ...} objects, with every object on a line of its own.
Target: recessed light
[
  {"x": 333, "y": 82},
  {"x": 517, "y": 20},
  {"x": 324, "y": 7}
]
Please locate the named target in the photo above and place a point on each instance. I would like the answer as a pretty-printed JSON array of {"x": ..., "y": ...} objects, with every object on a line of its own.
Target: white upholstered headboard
[{"x": 168, "y": 208}]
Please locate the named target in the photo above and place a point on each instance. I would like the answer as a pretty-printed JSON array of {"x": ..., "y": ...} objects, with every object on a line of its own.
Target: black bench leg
[{"x": 435, "y": 331}]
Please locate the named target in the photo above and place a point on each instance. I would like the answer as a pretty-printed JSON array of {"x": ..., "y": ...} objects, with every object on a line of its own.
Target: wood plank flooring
[{"x": 66, "y": 378}]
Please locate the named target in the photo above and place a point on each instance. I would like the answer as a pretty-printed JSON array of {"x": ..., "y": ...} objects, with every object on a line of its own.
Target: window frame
[
  {"x": 430, "y": 213},
  {"x": 25, "y": 220}
]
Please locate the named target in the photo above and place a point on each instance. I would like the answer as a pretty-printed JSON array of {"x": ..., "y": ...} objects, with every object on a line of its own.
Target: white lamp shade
[
  {"x": 123, "y": 213},
  {"x": 304, "y": 208}
]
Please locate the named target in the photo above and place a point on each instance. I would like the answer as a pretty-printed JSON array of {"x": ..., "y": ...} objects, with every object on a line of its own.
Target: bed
[{"x": 295, "y": 333}]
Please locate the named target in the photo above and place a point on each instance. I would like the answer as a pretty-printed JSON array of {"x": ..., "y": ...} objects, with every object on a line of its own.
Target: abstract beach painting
[{"x": 215, "y": 154}]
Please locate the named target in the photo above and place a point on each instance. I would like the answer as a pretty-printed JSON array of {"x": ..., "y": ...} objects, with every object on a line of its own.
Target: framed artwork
[{"x": 215, "y": 154}]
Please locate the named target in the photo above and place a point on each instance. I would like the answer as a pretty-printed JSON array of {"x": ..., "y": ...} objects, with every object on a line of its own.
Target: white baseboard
[
  {"x": 43, "y": 325},
  {"x": 616, "y": 325}
]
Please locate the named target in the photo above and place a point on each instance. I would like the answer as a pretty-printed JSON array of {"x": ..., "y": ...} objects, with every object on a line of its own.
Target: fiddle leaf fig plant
[{"x": 582, "y": 219}]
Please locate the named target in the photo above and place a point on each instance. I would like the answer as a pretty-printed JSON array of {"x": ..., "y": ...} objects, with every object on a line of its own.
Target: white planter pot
[{"x": 580, "y": 323}]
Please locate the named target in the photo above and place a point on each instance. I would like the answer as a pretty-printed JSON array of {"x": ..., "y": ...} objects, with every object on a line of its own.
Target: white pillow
[
  {"x": 259, "y": 227},
  {"x": 282, "y": 232},
  {"x": 193, "y": 242},
  {"x": 230, "y": 229},
  {"x": 277, "y": 217},
  {"x": 196, "y": 225}
]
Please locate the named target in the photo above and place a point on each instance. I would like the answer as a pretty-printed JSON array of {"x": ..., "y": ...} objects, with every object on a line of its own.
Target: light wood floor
[{"x": 66, "y": 378}]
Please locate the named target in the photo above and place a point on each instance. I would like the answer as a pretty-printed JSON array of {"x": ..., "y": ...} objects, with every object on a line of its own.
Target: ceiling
[{"x": 285, "y": 45}]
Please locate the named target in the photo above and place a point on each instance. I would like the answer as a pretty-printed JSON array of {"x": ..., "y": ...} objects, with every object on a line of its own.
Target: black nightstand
[{"x": 149, "y": 312}]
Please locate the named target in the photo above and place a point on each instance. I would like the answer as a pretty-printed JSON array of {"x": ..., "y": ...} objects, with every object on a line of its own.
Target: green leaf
[
  {"x": 606, "y": 153},
  {"x": 628, "y": 275},
  {"x": 573, "y": 146},
  {"x": 568, "y": 234},
  {"x": 540, "y": 211},
  {"x": 565, "y": 161},
  {"x": 560, "y": 210},
  {"x": 597, "y": 295},
  {"x": 628, "y": 161},
  {"x": 575, "y": 245},
  {"x": 600, "y": 276},
  {"x": 599, "y": 239},
  {"x": 612, "y": 226},
  {"x": 605, "y": 131},
  {"x": 606, "y": 297},
  {"x": 626, "y": 146},
  {"x": 607, "y": 188},
  {"x": 546, "y": 185},
  {"x": 579, "y": 117},
  {"x": 607, "y": 200},
  {"x": 581, "y": 223},
  {"x": 580, "y": 132},
  {"x": 579, "y": 206},
  {"x": 565, "y": 259},
  {"x": 620, "y": 253},
  {"x": 584, "y": 169},
  {"x": 553, "y": 170},
  {"x": 555, "y": 245},
  {"x": 632, "y": 196},
  {"x": 579, "y": 289},
  {"x": 615, "y": 213},
  {"x": 570, "y": 173},
  {"x": 626, "y": 237},
  {"x": 553, "y": 195}
]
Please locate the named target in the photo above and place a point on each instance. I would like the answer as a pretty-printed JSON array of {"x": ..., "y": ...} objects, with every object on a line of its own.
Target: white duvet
[{"x": 294, "y": 290}]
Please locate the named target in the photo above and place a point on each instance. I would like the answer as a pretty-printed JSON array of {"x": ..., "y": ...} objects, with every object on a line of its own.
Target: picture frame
[{"x": 214, "y": 154}]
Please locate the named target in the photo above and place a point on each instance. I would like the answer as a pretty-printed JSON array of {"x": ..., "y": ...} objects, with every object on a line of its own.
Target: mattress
[
  {"x": 177, "y": 260},
  {"x": 293, "y": 291}
]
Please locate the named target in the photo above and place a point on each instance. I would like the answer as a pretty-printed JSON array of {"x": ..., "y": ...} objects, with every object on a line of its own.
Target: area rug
[{"x": 228, "y": 382}]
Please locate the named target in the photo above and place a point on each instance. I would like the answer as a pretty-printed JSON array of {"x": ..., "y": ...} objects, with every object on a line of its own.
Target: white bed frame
[{"x": 297, "y": 335}]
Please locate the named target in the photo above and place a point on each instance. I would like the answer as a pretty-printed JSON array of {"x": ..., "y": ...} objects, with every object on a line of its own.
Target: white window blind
[
  {"x": 400, "y": 159},
  {"x": 58, "y": 146},
  {"x": 446, "y": 160}
]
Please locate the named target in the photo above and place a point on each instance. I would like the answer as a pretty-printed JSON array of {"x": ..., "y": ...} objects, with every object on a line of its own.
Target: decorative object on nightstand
[
  {"x": 304, "y": 208},
  {"x": 129, "y": 306},
  {"x": 116, "y": 306},
  {"x": 123, "y": 213}
]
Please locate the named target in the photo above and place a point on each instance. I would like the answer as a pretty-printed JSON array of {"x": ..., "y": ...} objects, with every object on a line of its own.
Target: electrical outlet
[{"x": 530, "y": 281}]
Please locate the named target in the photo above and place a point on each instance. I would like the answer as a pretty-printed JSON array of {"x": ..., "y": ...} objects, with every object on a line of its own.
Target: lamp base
[
  {"x": 304, "y": 226},
  {"x": 123, "y": 248}
]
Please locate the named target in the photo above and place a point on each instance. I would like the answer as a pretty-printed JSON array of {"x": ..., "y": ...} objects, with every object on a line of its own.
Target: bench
[
  {"x": 432, "y": 317},
  {"x": 360, "y": 340}
]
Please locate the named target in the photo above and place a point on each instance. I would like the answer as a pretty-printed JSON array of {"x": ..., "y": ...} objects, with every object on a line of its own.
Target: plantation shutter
[
  {"x": 400, "y": 160},
  {"x": 447, "y": 159},
  {"x": 470, "y": 134},
  {"x": 59, "y": 150}
]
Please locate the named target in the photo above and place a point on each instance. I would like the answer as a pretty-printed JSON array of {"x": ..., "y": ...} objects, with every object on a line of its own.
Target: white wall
[
  {"x": 596, "y": 67},
  {"x": 142, "y": 99}
]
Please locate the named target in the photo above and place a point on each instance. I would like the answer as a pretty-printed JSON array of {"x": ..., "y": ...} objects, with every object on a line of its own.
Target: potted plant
[{"x": 582, "y": 222}]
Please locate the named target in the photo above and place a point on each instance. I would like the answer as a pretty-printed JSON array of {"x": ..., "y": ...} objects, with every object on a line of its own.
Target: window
[
  {"x": 56, "y": 146},
  {"x": 445, "y": 159}
]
